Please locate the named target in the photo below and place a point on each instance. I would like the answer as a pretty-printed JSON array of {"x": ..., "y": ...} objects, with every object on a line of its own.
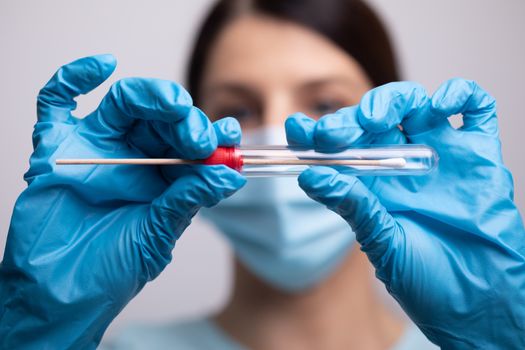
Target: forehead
[{"x": 263, "y": 50}]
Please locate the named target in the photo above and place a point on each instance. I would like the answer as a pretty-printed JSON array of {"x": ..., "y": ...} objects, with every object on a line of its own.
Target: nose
[{"x": 277, "y": 107}]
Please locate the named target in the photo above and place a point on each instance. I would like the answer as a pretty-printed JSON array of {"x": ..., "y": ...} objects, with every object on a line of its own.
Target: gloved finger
[
  {"x": 467, "y": 97},
  {"x": 390, "y": 105},
  {"x": 172, "y": 212},
  {"x": 392, "y": 136},
  {"x": 333, "y": 131},
  {"x": 338, "y": 130},
  {"x": 144, "y": 138},
  {"x": 300, "y": 130},
  {"x": 163, "y": 103},
  {"x": 228, "y": 131},
  {"x": 192, "y": 137},
  {"x": 56, "y": 99},
  {"x": 374, "y": 227}
]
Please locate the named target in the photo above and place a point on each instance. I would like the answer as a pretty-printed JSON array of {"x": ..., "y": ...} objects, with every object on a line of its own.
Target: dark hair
[{"x": 350, "y": 24}]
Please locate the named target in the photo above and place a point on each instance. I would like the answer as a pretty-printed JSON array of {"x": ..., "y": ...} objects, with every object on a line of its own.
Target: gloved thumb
[
  {"x": 374, "y": 227},
  {"x": 172, "y": 211}
]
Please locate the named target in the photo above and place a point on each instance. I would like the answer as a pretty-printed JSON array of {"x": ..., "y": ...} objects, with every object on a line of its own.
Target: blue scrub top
[{"x": 204, "y": 334}]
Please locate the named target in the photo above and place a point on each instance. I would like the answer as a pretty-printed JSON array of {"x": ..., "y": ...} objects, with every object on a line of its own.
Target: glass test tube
[{"x": 373, "y": 160}]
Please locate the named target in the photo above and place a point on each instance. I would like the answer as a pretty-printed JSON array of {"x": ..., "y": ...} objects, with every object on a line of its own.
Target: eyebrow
[
  {"x": 317, "y": 83},
  {"x": 245, "y": 91}
]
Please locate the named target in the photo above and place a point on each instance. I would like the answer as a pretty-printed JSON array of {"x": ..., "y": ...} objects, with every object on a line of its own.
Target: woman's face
[{"x": 262, "y": 69}]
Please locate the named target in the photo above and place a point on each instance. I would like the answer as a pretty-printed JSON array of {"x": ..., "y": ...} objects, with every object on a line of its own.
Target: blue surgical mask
[{"x": 278, "y": 232}]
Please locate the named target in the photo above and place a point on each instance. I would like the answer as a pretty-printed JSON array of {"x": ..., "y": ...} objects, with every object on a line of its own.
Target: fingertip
[
  {"x": 477, "y": 107},
  {"x": 459, "y": 95},
  {"x": 194, "y": 136},
  {"x": 453, "y": 95},
  {"x": 338, "y": 130},
  {"x": 107, "y": 63},
  {"x": 371, "y": 111},
  {"x": 89, "y": 72},
  {"x": 203, "y": 139},
  {"x": 236, "y": 179},
  {"x": 315, "y": 177},
  {"x": 223, "y": 180},
  {"x": 228, "y": 131},
  {"x": 106, "y": 58},
  {"x": 387, "y": 106},
  {"x": 327, "y": 186},
  {"x": 202, "y": 186},
  {"x": 97, "y": 69},
  {"x": 299, "y": 129},
  {"x": 181, "y": 96}
]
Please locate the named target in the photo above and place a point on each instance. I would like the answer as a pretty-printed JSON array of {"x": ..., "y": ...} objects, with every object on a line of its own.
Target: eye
[{"x": 325, "y": 106}]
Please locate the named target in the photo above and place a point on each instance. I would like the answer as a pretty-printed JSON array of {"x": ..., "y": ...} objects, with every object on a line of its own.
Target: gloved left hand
[
  {"x": 449, "y": 245},
  {"x": 84, "y": 240}
]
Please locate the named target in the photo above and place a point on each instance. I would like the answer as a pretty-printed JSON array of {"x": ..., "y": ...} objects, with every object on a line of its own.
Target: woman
[
  {"x": 298, "y": 267},
  {"x": 301, "y": 280}
]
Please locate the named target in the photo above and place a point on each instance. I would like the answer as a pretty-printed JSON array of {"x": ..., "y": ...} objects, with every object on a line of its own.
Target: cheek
[{"x": 362, "y": 91}]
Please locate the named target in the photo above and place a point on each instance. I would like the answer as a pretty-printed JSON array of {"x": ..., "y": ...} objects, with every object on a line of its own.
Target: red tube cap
[{"x": 229, "y": 156}]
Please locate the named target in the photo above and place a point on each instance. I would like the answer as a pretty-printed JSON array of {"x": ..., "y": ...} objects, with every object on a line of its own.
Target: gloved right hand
[
  {"x": 84, "y": 240},
  {"x": 449, "y": 245}
]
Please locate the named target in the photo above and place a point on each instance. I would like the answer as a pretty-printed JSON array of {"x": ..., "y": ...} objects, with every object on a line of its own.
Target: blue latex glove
[
  {"x": 85, "y": 239},
  {"x": 450, "y": 245}
]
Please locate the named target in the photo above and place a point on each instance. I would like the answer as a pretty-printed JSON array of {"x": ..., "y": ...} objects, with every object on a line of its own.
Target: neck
[{"x": 344, "y": 312}]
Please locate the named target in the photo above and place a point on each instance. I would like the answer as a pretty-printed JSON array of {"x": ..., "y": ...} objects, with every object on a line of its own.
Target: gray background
[{"x": 476, "y": 39}]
